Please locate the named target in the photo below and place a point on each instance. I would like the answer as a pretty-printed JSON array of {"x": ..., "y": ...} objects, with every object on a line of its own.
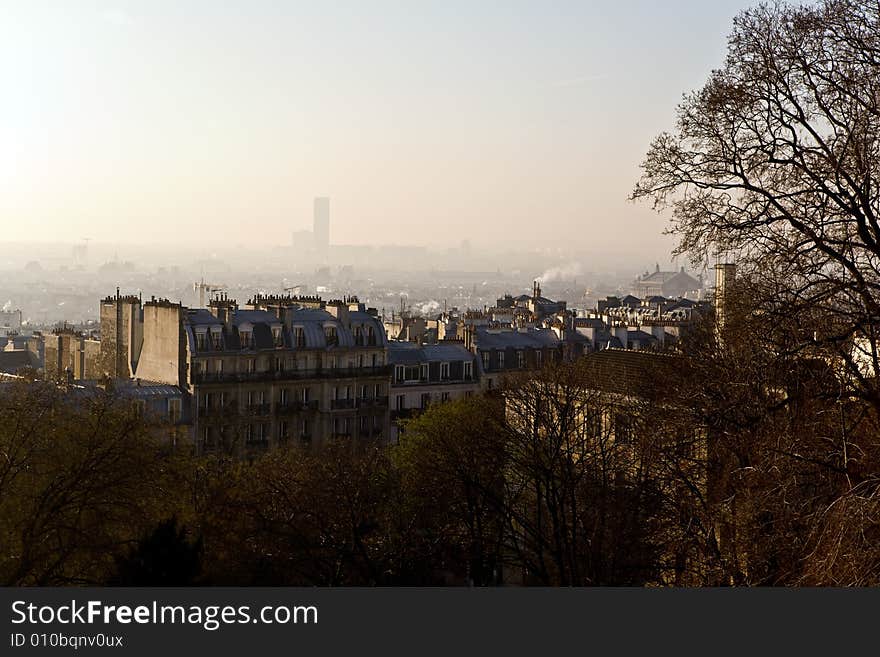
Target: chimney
[{"x": 725, "y": 273}]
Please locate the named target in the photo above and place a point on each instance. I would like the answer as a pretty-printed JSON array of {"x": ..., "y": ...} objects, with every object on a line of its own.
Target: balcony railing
[
  {"x": 292, "y": 374},
  {"x": 259, "y": 409},
  {"x": 288, "y": 408},
  {"x": 372, "y": 402},
  {"x": 218, "y": 410}
]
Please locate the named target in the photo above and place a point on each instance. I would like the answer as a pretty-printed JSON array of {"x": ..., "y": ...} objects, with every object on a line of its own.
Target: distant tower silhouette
[{"x": 321, "y": 227}]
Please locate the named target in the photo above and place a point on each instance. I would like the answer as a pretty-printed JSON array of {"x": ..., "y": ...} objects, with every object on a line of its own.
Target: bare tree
[{"x": 776, "y": 159}]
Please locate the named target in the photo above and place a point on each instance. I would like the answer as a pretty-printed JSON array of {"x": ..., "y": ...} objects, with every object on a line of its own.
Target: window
[
  {"x": 330, "y": 336},
  {"x": 173, "y": 410},
  {"x": 623, "y": 428},
  {"x": 282, "y": 430},
  {"x": 277, "y": 336},
  {"x": 444, "y": 397},
  {"x": 592, "y": 423},
  {"x": 500, "y": 360},
  {"x": 246, "y": 339},
  {"x": 218, "y": 366},
  {"x": 426, "y": 399},
  {"x": 363, "y": 392},
  {"x": 371, "y": 337},
  {"x": 444, "y": 371},
  {"x": 377, "y": 390},
  {"x": 283, "y": 396},
  {"x": 398, "y": 373},
  {"x": 207, "y": 400},
  {"x": 304, "y": 428},
  {"x": 468, "y": 370},
  {"x": 360, "y": 361},
  {"x": 279, "y": 364},
  {"x": 486, "y": 366},
  {"x": 538, "y": 355},
  {"x": 520, "y": 359},
  {"x": 400, "y": 402},
  {"x": 300, "y": 336},
  {"x": 362, "y": 421},
  {"x": 216, "y": 340},
  {"x": 305, "y": 395},
  {"x": 251, "y": 365},
  {"x": 200, "y": 341},
  {"x": 424, "y": 372},
  {"x": 251, "y": 398}
]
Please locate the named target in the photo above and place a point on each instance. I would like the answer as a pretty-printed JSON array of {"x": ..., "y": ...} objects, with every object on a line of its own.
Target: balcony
[
  {"x": 341, "y": 404},
  {"x": 291, "y": 375},
  {"x": 259, "y": 409},
  {"x": 218, "y": 411},
  {"x": 372, "y": 402},
  {"x": 290, "y": 408}
]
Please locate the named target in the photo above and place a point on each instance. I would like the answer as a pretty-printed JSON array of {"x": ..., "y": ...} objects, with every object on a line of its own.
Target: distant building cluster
[{"x": 298, "y": 369}]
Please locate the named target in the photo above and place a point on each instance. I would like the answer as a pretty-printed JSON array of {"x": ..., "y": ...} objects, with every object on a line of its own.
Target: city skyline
[{"x": 219, "y": 126}]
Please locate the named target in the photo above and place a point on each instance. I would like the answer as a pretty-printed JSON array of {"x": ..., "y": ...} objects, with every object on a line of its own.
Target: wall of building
[{"x": 162, "y": 357}]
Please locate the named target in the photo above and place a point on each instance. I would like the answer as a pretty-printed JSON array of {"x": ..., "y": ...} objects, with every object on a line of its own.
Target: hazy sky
[{"x": 216, "y": 122}]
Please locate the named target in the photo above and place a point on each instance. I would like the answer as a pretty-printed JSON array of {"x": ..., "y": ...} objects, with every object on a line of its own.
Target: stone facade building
[
  {"x": 281, "y": 370},
  {"x": 427, "y": 374}
]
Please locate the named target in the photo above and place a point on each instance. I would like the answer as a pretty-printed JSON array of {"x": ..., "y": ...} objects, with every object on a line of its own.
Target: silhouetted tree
[
  {"x": 166, "y": 557},
  {"x": 776, "y": 160}
]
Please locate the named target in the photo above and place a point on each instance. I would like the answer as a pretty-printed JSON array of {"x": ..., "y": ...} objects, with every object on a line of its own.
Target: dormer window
[
  {"x": 246, "y": 338},
  {"x": 468, "y": 370},
  {"x": 216, "y": 340},
  {"x": 200, "y": 341},
  {"x": 444, "y": 371},
  {"x": 299, "y": 334},
  {"x": 330, "y": 336},
  {"x": 277, "y": 337}
]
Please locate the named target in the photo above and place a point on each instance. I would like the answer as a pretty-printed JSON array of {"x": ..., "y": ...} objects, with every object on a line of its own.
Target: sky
[{"x": 503, "y": 123}]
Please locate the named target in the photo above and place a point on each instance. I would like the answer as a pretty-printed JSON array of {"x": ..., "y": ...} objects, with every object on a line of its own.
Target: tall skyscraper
[{"x": 322, "y": 223}]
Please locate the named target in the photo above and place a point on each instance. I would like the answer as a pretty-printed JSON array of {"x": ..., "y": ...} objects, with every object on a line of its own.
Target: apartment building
[
  {"x": 281, "y": 370},
  {"x": 428, "y": 374}
]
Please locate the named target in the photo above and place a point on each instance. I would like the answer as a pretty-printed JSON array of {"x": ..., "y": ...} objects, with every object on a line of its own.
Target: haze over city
[
  {"x": 299, "y": 295},
  {"x": 195, "y": 124}
]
